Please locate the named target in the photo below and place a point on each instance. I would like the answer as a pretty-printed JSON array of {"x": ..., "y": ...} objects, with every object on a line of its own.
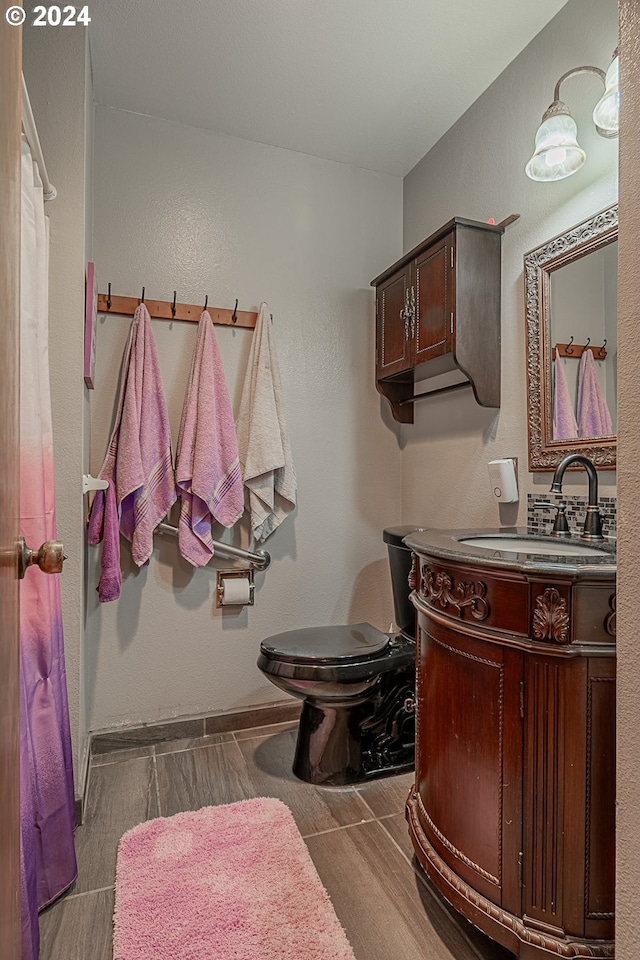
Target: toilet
[{"x": 357, "y": 687}]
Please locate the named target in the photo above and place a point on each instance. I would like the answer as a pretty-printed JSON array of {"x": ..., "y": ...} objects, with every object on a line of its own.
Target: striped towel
[
  {"x": 138, "y": 460},
  {"x": 207, "y": 466}
]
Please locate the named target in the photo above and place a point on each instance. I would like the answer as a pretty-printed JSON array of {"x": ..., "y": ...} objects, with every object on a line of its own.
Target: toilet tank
[{"x": 400, "y": 563}]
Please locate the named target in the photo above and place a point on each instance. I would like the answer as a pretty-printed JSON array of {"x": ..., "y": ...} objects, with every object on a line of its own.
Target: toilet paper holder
[{"x": 230, "y": 575}]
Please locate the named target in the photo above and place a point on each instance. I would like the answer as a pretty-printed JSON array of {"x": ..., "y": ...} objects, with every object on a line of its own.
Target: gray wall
[
  {"x": 477, "y": 171},
  {"x": 186, "y": 209}
]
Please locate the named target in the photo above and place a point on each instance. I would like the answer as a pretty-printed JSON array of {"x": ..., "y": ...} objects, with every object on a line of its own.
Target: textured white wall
[
  {"x": 186, "y": 209},
  {"x": 628, "y": 684},
  {"x": 477, "y": 171},
  {"x": 55, "y": 68}
]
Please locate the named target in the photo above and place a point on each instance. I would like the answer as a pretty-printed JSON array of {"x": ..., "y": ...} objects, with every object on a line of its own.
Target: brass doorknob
[{"x": 49, "y": 557}]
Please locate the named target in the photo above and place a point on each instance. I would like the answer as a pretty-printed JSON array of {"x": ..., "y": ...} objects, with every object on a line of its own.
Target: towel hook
[
  {"x": 109, "y": 300},
  {"x": 206, "y": 301},
  {"x": 587, "y": 343},
  {"x": 173, "y": 305},
  {"x": 142, "y": 298},
  {"x": 569, "y": 347},
  {"x": 234, "y": 315}
]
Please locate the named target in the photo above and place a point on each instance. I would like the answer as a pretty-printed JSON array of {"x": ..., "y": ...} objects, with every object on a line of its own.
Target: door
[
  {"x": 394, "y": 325},
  {"x": 10, "y": 113},
  {"x": 434, "y": 301}
]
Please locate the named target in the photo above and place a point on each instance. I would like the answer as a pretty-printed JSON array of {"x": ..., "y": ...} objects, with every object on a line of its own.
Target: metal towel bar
[{"x": 261, "y": 559}]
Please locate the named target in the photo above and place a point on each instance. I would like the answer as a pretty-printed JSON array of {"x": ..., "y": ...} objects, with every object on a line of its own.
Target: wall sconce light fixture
[
  {"x": 606, "y": 111},
  {"x": 557, "y": 153}
]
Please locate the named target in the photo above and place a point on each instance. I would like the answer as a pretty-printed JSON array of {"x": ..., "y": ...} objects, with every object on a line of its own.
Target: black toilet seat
[{"x": 340, "y": 644}]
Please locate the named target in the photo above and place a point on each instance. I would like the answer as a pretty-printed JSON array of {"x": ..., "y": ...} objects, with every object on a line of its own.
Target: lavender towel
[
  {"x": 263, "y": 443},
  {"x": 594, "y": 419},
  {"x": 564, "y": 421},
  {"x": 207, "y": 466},
  {"x": 138, "y": 460},
  {"x": 110, "y": 578}
]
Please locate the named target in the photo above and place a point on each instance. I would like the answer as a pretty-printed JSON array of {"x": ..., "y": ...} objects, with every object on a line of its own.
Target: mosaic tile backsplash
[{"x": 540, "y": 520}]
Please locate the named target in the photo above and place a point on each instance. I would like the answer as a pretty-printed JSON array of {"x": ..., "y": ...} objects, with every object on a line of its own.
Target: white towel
[{"x": 263, "y": 444}]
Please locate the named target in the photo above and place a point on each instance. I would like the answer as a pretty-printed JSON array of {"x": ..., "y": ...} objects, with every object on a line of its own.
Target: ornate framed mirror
[{"x": 571, "y": 308}]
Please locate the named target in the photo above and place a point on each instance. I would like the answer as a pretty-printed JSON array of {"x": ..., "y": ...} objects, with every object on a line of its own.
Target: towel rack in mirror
[{"x": 575, "y": 350}]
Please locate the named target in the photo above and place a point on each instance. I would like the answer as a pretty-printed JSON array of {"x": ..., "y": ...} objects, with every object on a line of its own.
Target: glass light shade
[
  {"x": 557, "y": 154},
  {"x": 606, "y": 111}
]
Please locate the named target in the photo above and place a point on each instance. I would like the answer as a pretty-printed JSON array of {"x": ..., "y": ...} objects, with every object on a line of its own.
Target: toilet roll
[{"x": 235, "y": 590}]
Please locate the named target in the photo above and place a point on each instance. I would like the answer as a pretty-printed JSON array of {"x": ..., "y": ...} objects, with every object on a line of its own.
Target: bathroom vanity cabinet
[
  {"x": 438, "y": 313},
  {"x": 513, "y": 808}
]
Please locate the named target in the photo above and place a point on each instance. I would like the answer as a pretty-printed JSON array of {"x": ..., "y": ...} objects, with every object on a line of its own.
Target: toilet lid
[{"x": 352, "y": 641}]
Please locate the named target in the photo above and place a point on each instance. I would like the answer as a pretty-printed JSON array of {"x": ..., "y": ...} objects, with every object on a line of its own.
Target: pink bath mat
[{"x": 234, "y": 882}]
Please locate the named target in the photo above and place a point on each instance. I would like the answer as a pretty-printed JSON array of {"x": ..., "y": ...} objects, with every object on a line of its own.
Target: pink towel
[
  {"x": 207, "y": 466},
  {"x": 104, "y": 524},
  {"x": 594, "y": 419},
  {"x": 564, "y": 421},
  {"x": 138, "y": 460}
]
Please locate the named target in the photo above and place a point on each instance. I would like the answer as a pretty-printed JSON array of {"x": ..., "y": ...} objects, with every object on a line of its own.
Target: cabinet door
[
  {"x": 469, "y": 758},
  {"x": 569, "y": 796},
  {"x": 433, "y": 278},
  {"x": 393, "y": 324}
]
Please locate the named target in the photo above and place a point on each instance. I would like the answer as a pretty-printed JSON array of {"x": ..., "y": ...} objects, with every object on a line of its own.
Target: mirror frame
[{"x": 544, "y": 452}]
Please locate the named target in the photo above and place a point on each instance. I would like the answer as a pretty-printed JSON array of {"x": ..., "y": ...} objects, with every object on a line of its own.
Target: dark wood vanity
[
  {"x": 512, "y": 813},
  {"x": 438, "y": 313}
]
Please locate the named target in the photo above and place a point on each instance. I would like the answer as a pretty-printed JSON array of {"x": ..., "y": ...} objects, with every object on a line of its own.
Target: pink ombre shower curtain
[{"x": 47, "y": 814}]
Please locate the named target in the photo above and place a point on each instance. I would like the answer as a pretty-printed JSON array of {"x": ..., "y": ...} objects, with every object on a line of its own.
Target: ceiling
[{"x": 373, "y": 83}]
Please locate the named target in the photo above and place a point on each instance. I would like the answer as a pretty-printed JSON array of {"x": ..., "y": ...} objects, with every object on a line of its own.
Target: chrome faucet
[{"x": 592, "y": 521}]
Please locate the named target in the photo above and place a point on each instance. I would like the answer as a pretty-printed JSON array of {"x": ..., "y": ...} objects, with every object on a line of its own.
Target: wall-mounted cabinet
[{"x": 438, "y": 315}]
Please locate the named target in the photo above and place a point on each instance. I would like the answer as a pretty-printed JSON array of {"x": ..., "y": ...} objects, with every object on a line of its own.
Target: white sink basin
[{"x": 540, "y": 547}]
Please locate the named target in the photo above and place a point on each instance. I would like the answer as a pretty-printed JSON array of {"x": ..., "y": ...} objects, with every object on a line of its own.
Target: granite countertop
[{"x": 451, "y": 545}]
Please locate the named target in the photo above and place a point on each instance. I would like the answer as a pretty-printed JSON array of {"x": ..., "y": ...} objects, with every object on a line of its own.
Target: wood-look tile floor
[{"x": 357, "y": 837}]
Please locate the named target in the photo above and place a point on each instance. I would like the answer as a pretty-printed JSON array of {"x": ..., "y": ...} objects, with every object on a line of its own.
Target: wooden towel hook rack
[
  {"x": 170, "y": 310},
  {"x": 575, "y": 350}
]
